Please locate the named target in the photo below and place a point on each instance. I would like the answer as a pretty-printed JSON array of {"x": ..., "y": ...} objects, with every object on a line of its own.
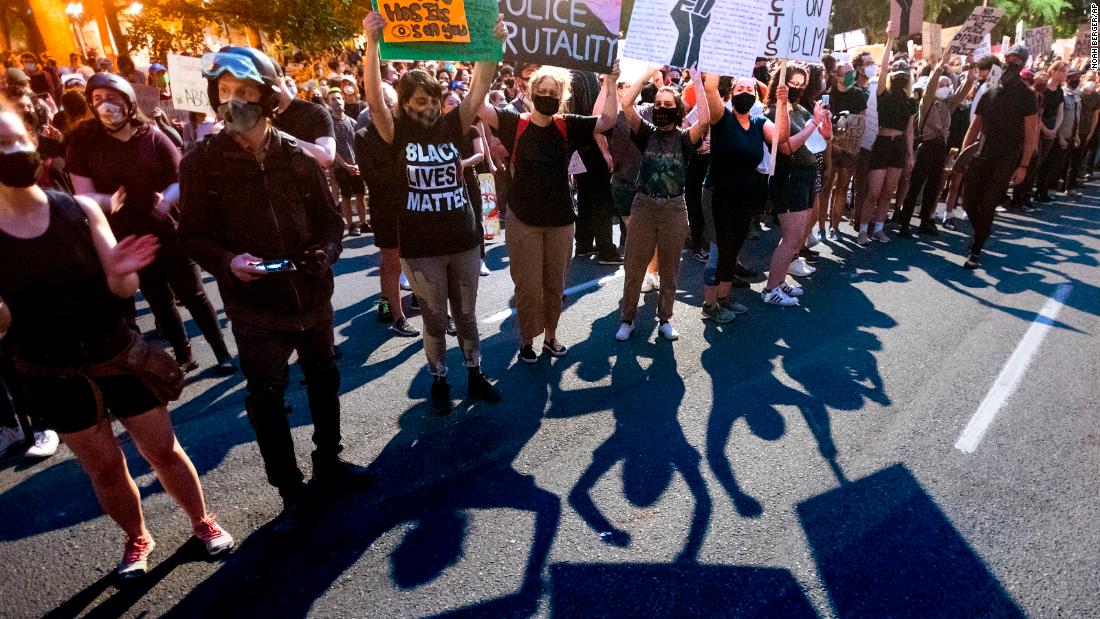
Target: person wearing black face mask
[
  {"x": 439, "y": 235},
  {"x": 541, "y": 215},
  {"x": 131, "y": 169},
  {"x": 1006, "y": 123},
  {"x": 1064, "y": 173},
  {"x": 848, "y": 105},
  {"x": 253, "y": 198}
]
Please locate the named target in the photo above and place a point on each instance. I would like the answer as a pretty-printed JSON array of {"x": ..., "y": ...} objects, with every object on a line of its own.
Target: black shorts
[
  {"x": 793, "y": 191},
  {"x": 383, "y": 222},
  {"x": 350, "y": 184},
  {"x": 623, "y": 194},
  {"x": 888, "y": 153},
  {"x": 843, "y": 160},
  {"x": 69, "y": 404}
]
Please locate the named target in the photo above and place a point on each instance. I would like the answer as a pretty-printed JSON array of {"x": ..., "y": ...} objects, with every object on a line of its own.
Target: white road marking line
[
  {"x": 505, "y": 314},
  {"x": 1013, "y": 371}
]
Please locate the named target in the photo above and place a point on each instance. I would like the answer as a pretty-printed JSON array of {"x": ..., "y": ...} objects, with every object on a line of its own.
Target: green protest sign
[{"x": 481, "y": 16}]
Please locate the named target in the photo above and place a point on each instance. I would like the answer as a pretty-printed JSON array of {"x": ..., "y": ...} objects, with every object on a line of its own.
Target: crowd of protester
[{"x": 97, "y": 201}]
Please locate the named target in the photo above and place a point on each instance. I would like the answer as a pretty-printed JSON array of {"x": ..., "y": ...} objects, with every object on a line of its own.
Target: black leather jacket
[{"x": 230, "y": 204}]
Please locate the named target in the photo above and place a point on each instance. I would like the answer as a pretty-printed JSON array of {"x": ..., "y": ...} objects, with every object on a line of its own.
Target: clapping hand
[{"x": 131, "y": 255}]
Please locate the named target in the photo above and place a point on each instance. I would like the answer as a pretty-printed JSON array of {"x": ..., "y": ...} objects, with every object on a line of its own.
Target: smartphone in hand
[{"x": 276, "y": 266}]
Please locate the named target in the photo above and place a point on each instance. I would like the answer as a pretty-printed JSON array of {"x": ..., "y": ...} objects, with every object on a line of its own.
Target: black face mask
[
  {"x": 794, "y": 95},
  {"x": 664, "y": 116},
  {"x": 743, "y": 102},
  {"x": 546, "y": 104},
  {"x": 19, "y": 169},
  {"x": 1074, "y": 83},
  {"x": 1011, "y": 72}
]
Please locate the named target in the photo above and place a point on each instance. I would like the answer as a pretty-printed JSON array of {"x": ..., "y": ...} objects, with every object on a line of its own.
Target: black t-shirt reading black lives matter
[
  {"x": 540, "y": 187},
  {"x": 437, "y": 218},
  {"x": 1003, "y": 110},
  {"x": 306, "y": 121}
]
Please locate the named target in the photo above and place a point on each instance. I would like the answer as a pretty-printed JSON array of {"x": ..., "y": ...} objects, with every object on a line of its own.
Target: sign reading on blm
[
  {"x": 575, "y": 34},
  {"x": 411, "y": 21},
  {"x": 795, "y": 29}
]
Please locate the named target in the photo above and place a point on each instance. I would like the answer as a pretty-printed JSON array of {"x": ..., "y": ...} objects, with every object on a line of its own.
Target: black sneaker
[
  {"x": 929, "y": 227},
  {"x": 402, "y": 327},
  {"x": 451, "y": 328},
  {"x": 334, "y": 473},
  {"x": 385, "y": 312},
  {"x": 554, "y": 348},
  {"x": 295, "y": 517},
  {"x": 740, "y": 282},
  {"x": 441, "y": 397},
  {"x": 585, "y": 252},
  {"x": 614, "y": 259},
  {"x": 414, "y": 303},
  {"x": 365, "y": 228},
  {"x": 354, "y": 231},
  {"x": 741, "y": 271},
  {"x": 971, "y": 262},
  {"x": 225, "y": 367},
  {"x": 701, "y": 255},
  {"x": 905, "y": 232},
  {"x": 951, "y": 224},
  {"x": 527, "y": 354},
  {"x": 480, "y": 389}
]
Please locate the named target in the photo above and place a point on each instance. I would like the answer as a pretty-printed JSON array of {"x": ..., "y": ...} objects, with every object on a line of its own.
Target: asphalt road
[{"x": 796, "y": 462}]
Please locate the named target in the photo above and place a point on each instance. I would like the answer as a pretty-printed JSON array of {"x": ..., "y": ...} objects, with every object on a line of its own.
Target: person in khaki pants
[
  {"x": 540, "y": 207},
  {"x": 658, "y": 217}
]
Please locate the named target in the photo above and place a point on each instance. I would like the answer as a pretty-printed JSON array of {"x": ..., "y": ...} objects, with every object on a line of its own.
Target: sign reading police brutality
[
  {"x": 977, "y": 26},
  {"x": 795, "y": 29},
  {"x": 1038, "y": 40},
  {"x": 575, "y": 34},
  {"x": 188, "y": 84},
  {"x": 718, "y": 37},
  {"x": 412, "y": 21},
  {"x": 438, "y": 29}
]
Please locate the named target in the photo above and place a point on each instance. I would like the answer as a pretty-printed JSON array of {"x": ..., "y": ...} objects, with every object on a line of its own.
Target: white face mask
[
  {"x": 943, "y": 93},
  {"x": 870, "y": 71},
  {"x": 349, "y": 90},
  {"x": 112, "y": 114}
]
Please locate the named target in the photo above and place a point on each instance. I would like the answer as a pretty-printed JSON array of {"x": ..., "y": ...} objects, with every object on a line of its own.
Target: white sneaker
[
  {"x": 484, "y": 270},
  {"x": 651, "y": 282},
  {"x": 45, "y": 445},
  {"x": 863, "y": 239},
  {"x": 10, "y": 437},
  {"x": 625, "y": 329},
  {"x": 791, "y": 291},
  {"x": 776, "y": 296},
  {"x": 668, "y": 332},
  {"x": 799, "y": 268},
  {"x": 405, "y": 285},
  {"x": 880, "y": 236}
]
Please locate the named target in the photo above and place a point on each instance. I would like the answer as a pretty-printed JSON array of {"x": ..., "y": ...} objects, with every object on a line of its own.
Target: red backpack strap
[
  {"x": 559, "y": 120},
  {"x": 524, "y": 120}
]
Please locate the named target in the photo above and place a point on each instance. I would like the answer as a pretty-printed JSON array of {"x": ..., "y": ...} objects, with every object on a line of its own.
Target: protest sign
[
  {"x": 720, "y": 37},
  {"x": 1038, "y": 40},
  {"x": 848, "y": 40},
  {"x": 1081, "y": 46},
  {"x": 795, "y": 29},
  {"x": 188, "y": 84},
  {"x": 985, "y": 48},
  {"x": 490, "y": 214},
  {"x": 410, "y": 21},
  {"x": 931, "y": 39},
  {"x": 575, "y": 34},
  {"x": 1020, "y": 32},
  {"x": 848, "y": 133},
  {"x": 948, "y": 34},
  {"x": 480, "y": 44},
  {"x": 148, "y": 98},
  {"x": 906, "y": 17},
  {"x": 976, "y": 29}
]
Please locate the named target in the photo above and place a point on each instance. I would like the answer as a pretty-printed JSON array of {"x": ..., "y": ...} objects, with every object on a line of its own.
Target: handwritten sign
[
  {"x": 931, "y": 39},
  {"x": 983, "y": 49},
  {"x": 410, "y": 21},
  {"x": 848, "y": 40},
  {"x": 1038, "y": 40},
  {"x": 1081, "y": 45},
  {"x": 848, "y": 133},
  {"x": 148, "y": 98},
  {"x": 575, "y": 34},
  {"x": 432, "y": 41},
  {"x": 906, "y": 17},
  {"x": 188, "y": 84},
  {"x": 976, "y": 29},
  {"x": 795, "y": 29},
  {"x": 720, "y": 36}
]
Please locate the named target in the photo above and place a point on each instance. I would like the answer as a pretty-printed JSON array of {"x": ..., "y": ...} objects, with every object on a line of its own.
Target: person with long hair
[{"x": 62, "y": 275}]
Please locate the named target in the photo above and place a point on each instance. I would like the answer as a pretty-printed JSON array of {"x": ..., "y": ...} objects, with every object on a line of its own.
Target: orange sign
[{"x": 442, "y": 21}]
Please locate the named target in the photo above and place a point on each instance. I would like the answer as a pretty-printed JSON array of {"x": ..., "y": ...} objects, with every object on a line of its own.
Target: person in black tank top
[{"x": 62, "y": 277}]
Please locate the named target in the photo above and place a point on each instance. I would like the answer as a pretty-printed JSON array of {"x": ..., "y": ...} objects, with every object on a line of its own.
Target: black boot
[
  {"x": 297, "y": 514},
  {"x": 479, "y": 389},
  {"x": 441, "y": 396},
  {"x": 332, "y": 473}
]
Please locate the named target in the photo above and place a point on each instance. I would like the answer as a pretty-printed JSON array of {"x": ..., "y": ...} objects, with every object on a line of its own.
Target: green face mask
[{"x": 849, "y": 79}]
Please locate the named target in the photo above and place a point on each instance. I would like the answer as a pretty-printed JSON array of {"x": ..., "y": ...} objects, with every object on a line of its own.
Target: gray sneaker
[
  {"x": 718, "y": 314},
  {"x": 733, "y": 306}
]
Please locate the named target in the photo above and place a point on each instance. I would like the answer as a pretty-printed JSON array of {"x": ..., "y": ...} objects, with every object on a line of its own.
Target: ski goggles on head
[{"x": 215, "y": 64}]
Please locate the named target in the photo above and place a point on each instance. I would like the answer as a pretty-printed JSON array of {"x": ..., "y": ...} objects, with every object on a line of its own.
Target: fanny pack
[{"x": 150, "y": 364}]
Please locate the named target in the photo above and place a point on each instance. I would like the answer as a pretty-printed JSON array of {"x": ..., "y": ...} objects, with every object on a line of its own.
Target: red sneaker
[
  {"x": 135, "y": 558},
  {"x": 216, "y": 538}
]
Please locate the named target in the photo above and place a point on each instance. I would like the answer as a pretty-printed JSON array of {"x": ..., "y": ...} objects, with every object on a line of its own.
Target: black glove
[{"x": 314, "y": 261}]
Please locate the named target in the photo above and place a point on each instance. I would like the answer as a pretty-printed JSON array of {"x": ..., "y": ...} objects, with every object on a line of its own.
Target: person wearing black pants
[
  {"x": 1007, "y": 123},
  {"x": 594, "y": 207},
  {"x": 693, "y": 192}
]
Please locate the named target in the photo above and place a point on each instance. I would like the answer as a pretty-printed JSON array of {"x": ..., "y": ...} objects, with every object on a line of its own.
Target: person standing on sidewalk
[
  {"x": 1006, "y": 123},
  {"x": 257, "y": 213}
]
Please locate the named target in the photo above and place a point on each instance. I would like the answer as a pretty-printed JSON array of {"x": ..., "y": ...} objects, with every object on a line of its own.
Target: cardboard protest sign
[
  {"x": 983, "y": 49},
  {"x": 720, "y": 36},
  {"x": 575, "y": 34},
  {"x": 1081, "y": 45},
  {"x": 410, "y": 21},
  {"x": 1038, "y": 40},
  {"x": 148, "y": 98},
  {"x": 479, "y": 16},
  {"x": 1020, "y": 32},
  {"x": 848, "y": 40},
  {"x": 906, "y": 17},
  {"x": 948, "y": 34},
  {"x": 931, "y": 39},
  {"x": 188, "y": 84},
  {"x": 976, "y": 29},
  {"x": 795, "y": 29}
]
